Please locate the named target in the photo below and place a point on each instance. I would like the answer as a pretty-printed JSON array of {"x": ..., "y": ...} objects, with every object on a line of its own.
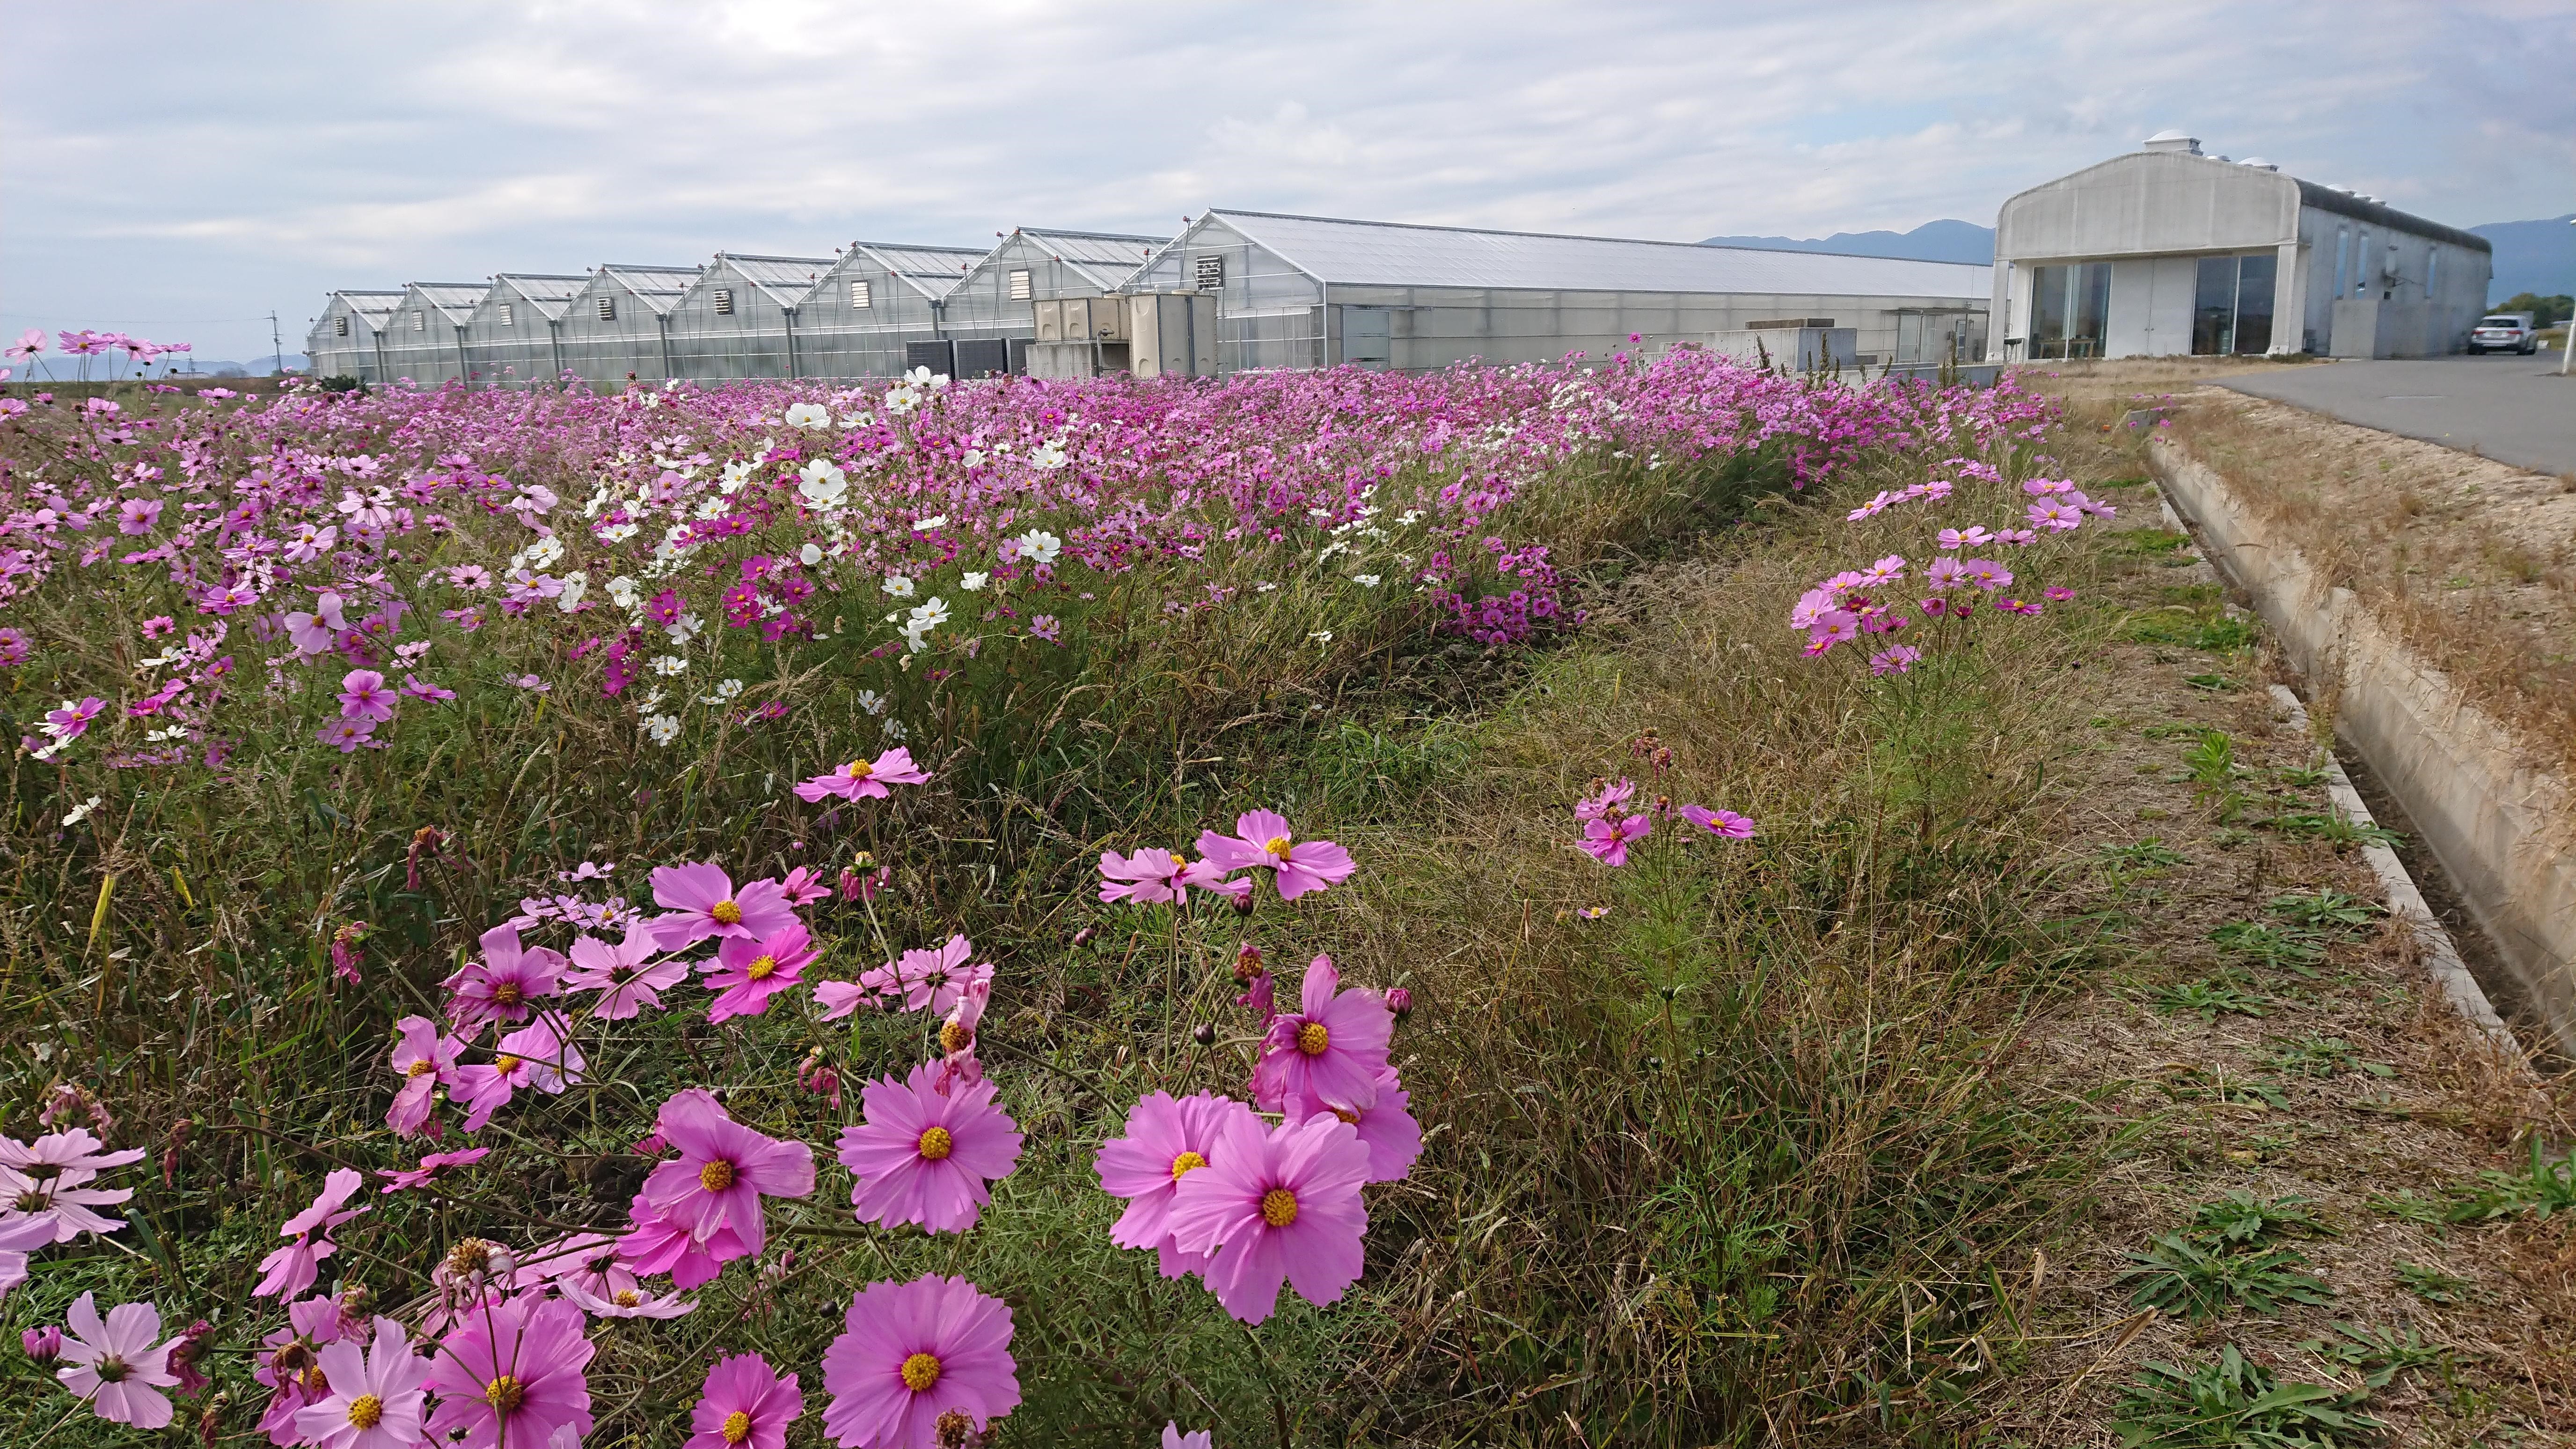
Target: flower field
[{"x": 923, "y": 916}]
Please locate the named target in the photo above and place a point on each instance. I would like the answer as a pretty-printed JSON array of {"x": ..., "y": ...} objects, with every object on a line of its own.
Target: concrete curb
[{"x": 2405, "y": 902}]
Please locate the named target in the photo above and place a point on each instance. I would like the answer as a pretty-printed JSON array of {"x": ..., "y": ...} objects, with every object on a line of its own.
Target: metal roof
[
  {"x": 550, "y": 293},
  {"x": 785, "y": 279},
  {"x": 454, "y": 300},
  {"x": 375, "y": 306},
  {"x": 2344, "y": 203},
  {"x": 931, "y": 271},
  {"x": 659, "y": 288},
  {"x": 1400, "y": 254},
  {"x": 1107, "y": 258}
]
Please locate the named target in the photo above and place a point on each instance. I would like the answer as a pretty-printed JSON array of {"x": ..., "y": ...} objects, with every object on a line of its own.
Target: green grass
[{"x": 2234, "y": 1403}]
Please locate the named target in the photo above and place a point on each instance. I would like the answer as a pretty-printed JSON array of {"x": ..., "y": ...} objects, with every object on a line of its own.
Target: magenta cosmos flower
[
  {"x": 699, "y": 901},
  {"x": 1154, "y": 874},
  {"x": 715, "y": 1185},
  {"x": 1262, "y": 842},
  {"x": 363, "y": 695},
  {"x": 1607, "y": 838},
  {"x": 1276, "y": 1207},
  {"x": 745, "y": 1402},
  {"x": 426, "y": 1060},
  {"x": 913, "y": 1352},
  {"x": 511, "y": 1374},
  {"x": 1331, "y": 1050},
  {"x": 502, "y": 986},
  {"x": 288, "y": 1271},
  {"x": 864, "y": 779},
  {"x": 1173, "y": 1438},
  {"x": 1725, "y": 823},
  {"x": 933, "y": 980},
  {"x": 71, "y": 1150},
  {"x": 114, "y": 1366},
  {"x": 924, "y": 1157},
  {"x": 410, "y": 1177},
  {"x": 625, "y": 975},
  {"x": 539, "y": 1056},
  {"x": 1166, "y": 1141},
  {"x": 377, "y": 1395},
  {"x": 748, "y": 973},
  {"x": 1386, "y": 1127}
]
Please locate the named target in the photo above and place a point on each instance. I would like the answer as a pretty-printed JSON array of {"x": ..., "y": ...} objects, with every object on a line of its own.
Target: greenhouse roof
[
  {"x": 375, "y": 307},
  {"x": 785, "y": 279},
  {"x": 548, "y": 292},
  {"x": 659, "y": 288},
  {"x": 454, "y": 300},
  {"x": 931, "y": 271},
  {"x": 1107, "y": 258},
  {"x": 1398, "y": 254}
]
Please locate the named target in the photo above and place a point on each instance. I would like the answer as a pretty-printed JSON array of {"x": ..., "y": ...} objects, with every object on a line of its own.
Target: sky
[{"x": 179, "y": 170}]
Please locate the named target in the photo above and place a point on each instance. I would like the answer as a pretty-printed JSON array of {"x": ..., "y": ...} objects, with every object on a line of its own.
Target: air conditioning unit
[{"x": 1172, "y": 334}]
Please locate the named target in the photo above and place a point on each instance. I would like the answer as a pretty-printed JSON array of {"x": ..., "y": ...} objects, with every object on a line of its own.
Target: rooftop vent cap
[
  {"x": 2258, "y": 163},
  {"x": 2173, "y": 140}
]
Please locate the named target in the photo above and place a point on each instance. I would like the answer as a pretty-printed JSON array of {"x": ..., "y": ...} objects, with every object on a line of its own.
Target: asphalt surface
[{"x": 2504, "y": 406}]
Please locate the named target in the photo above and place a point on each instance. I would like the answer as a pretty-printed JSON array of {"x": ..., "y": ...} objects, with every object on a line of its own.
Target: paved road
[{"x": 2511, "y": 408}]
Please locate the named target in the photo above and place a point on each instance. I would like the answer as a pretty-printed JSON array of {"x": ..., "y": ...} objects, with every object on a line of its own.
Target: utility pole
[{"x": 276, "y": 344}]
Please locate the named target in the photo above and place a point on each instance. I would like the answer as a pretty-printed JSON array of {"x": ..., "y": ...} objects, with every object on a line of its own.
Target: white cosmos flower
[
  {"x": 859, "y": 419},
  {"x": 974, "y": 583},
  {"x": 727, "y": 689},
  {"x": 622, "y": 591},
  {"x": 538, "y": 555},
  {"x": 736, "y": 473},
  {"x": 1039, "y": 546},
  {"x": 667, "y": 665},
  {"x": 924, "y": 525},
  {"x": 899, "y": 400},
  {"x": 1049, "y": 457},
  {"x": 870, "y": 700},
  {"x": 661, "y": 728},
  {"x": 974, "y": 458},
  {"x": 813, "y": 416},
  {"x": 80, "y": 812},
  {"x": 574, "y": 586},
  {"x": 894, "y": 729},
  {"x": 823, "y": 483},
  {"x": 898, "y": 587},
  {"x": 1366, "y": 581},
  {"x": 810, "y": 555}
]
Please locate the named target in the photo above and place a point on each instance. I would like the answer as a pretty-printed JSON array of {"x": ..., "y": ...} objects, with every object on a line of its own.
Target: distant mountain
[
  {"x": 2532, "y": 256},
  {"x": 1933, "y": 241},
  {"x": 112, "y": 366}
]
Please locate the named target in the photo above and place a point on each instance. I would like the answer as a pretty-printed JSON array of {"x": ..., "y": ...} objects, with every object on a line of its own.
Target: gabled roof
[
  {"x": 931, "y": 271},
  {"x": 659, "y": 288},
  {"x": 455, "y": 301},
  {"x": 785, "y": 279},
  {"x": 550, "y": 293},
  {"x": 1400, "y": 254},
  {"x": 1105, "y": 258},
  {"x": 371, "y": 307}
]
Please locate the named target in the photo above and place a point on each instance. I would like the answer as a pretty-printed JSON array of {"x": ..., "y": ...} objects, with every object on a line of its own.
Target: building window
[
  {"x": 1019, "y": 286},
  {"x": 2343, "y": 259},
  {"x": 859, "y": 294},
  {"x": 2432, "y": 272},
  {"x": 608, "y": 309},
  {"x": 2070, "y": 310},
  {"x": 1209, "y": 273},
  {"x": 509, "y": 318},
  {"x": 2231, "y": 311},
  {"x": 339, "y": 326}
]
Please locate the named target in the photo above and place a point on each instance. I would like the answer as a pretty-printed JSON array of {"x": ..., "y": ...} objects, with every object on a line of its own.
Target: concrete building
[
  {"x": 1313, "y": 291},
  {"x": 346, "y": 339},
  {"x": 2169, "y": 252}
]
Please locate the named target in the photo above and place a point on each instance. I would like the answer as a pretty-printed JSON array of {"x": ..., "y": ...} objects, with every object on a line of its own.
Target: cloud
[{"x": 200, "y": 162}]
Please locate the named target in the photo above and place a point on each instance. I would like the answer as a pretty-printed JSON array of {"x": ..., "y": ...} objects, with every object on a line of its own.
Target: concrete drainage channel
[{"x": 2500, "y": 829}]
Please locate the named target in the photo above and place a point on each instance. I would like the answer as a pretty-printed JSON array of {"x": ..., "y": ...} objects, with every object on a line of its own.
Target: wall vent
[
  {"x": 859, "y": 293},
  {"x": 339, "y": 326},
  {"x": 1020, "y": 290},
  {"x": 608, "y": 309},
  {"x": 509, "y": 315},
  {"x": 419, "y": 321},
  {"x": 724, "y": 301},
  {"x": 1208, "y": 272}
]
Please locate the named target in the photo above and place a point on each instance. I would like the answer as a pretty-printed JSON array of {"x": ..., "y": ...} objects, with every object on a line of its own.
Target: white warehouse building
[{"x": 2169, "y": 252}]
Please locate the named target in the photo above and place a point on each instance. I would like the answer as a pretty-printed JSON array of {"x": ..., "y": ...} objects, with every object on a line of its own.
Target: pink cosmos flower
[
  {"x": 378, "y": 1395},
  {"x": 1971, "y": 537},
  {"x": 1897, "y": 660},
  {"x": 114, "y": 1366},
  {"x": 626, "y": 975},
  {"x": 287, "y": 1363},
  {"x": 745, "y": 1402},
  {"x": 1173, "y": 1438},
  {"x": 1606, "y": 840},
  {"x": 15, "y": 648},
  {"x": 804, "y": 885},
  {"x": 1332, "y": 1050},
  {"x": 135, "y": 516},
  {"x": 29, "y": 343},
  {"x": 700, "y": 901},
  {"x": 539, "y": 1055},
  {"x": 2058, "y": 593},
  {"x": 410, "y": 1177},
  {"x": 912, "y": 1352},
  {"x": 1385, "y": 1127},
  {"x": 654, "y": 1246},
  {"x": 1987, "y": 574},
  {"x": 288, "y": 1271},
  {"x": 19, "y": 1239},
  {"x": 1946, "y": 573},
  {"x": 1724, "y": 823},
  {"x": 1166, "y": 1141},
  {"x": 933, "y": 980},
  {"x": 2042, "y": 487},
  {"x": 957, "y": 1059},
  {"x": 348, "y": 736},
  {"x": 1886, "y": 571},
  {"x": 748, "y": 973},
  {"x": 723, "y": 1170},
  {"x": 1154, "y": 874},
  {"x": 1607, "y": 802},
  {"x": 71, "y": 1150},
  {"x": 511, "y": 1375},
  {"x": 839, "y": 998},
  {"x": 1812, "y": 605},
  {"x": 427, "y": 1060},
  {"x": 502, "y": 986},
  {"x": 363, "y": 696},
  {"x": 924, "y": 1157},
  {"x": 1261, "y": 841},
  {"x": 627, "y": 1303},
  {"x": 864, "y": 779},
  {"x": 2051, "y": 513},
  {"x": 1276, "y": 1207},
  {"x": 2015, "y": 536},
  {"x": 1834, "y": 626},
  {"x": 318, "y": 632}
]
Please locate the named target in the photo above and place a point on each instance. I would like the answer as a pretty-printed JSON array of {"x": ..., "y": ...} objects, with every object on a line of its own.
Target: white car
[{"x": 2505, "y": 332}]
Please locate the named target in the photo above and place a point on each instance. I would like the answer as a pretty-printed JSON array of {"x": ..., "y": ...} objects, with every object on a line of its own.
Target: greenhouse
[
  {"x": 880, "y": 295},
  {"x": 425, "y": 340},
  {"x": 739, "y": 319},
  {"x": 345, "y": 339},
  {"x": 514, "y": 337},
  {"x": 997, "y": 299},
  {"x": 1307, "y": 291},
  {"x": 616, "y": 327}
]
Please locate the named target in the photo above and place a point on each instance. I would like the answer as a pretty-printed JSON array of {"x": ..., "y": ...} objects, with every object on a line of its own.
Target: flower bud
[
  {"x": 43, "y": 1345},
  {"x": 1204, "y": 1034},
  {"x": 1400, "y": 1001},
  {"x": 1247, "y": 961},
  {"x": 1243, "y": 903},
  {"x": 1083, "y": 937}
]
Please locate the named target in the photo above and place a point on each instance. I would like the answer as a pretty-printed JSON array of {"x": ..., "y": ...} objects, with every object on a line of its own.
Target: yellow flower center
[
  {"x": 420, "y": 1069},
  {"x": 628, "y": 1297},
  {"x": 366, "y": 1411},
  {"x": 1185, "y": 1164},
  {"x": 505, "y": 1064},
  {"x": 1277, "y": 848},
  {"x": 921, "y": 1370},
  {"x": 934, "y": 1145},
  {"x": 505, "y": 1393},
  {"x": 1347, "y": 1115},
  {"x": 761, "y": 968},
  {"x": 508, "y": 994},
  {"x": 1179, "y": 864},
  {"x": 727, "y": 912},
  {"x": 716, "y": 1176},
  {"x": 1312, "y": 1038},
  {"x": 954, "y": 1037},
  {"x": 861, "y": 769},
  {"x": 737, "y": 1427},
  {"x": 1279, "y": 1207}
]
